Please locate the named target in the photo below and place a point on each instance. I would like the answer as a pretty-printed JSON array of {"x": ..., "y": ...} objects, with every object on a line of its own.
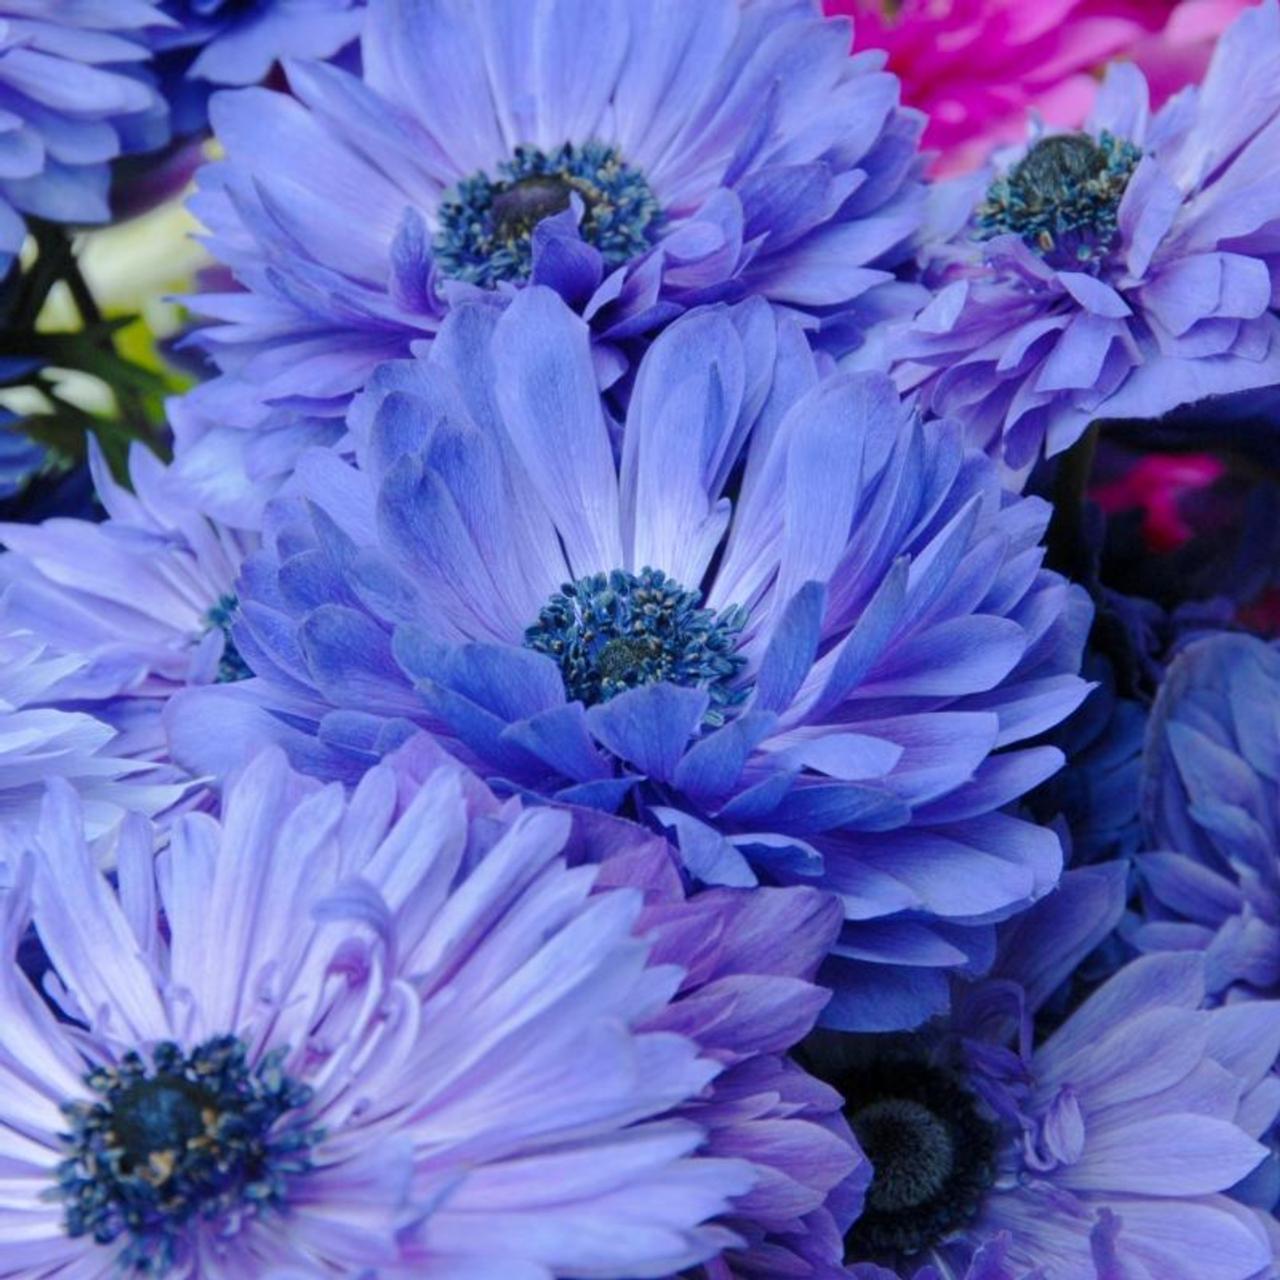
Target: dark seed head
[
  {"x": 159, "y": 1117},
  {"x": 176, "y": 1139},
  {"x": 932, "y": 1149},
  {"x": 613, "y": 632},
  {"x": 1063, "y": 198},
  {"x": 486, "y": 222},
  {"x": 518, "y": 208}
]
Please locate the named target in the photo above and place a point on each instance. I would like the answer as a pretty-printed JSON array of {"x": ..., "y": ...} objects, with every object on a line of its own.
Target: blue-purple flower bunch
[{"x": 629, "y": 723}]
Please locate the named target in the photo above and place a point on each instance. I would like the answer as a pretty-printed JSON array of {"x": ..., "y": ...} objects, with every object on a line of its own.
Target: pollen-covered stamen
[
  {"x": 486, "y": 224},
  {"x": 931, "y": 1149},
  {"x": 231, "y": 666},
  {"x": 1063, "y": 197},
  {"x": 184, "y": 1137},
  {"x": 623, "y": 630}
]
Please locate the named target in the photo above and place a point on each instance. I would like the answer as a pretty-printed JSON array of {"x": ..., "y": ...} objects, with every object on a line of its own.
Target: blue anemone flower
[
  {"x": 1211, "y": 813},
  {"x": 639, "y": 158},
  {"x": 770, "y": 612},
  {"x": 1106, "y": 1149},
  {"x": 70, "y": 103},
  {"x": 447, "y": 1035},
  {"x": 1114, "y": 273}
]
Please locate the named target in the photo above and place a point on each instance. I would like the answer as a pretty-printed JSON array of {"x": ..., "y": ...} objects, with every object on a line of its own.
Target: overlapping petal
[{"x": 898, "y": 637}]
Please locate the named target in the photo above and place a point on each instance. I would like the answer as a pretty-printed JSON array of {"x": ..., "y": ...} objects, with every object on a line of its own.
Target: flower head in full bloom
[
  {"x": 1104, "y": 1150},
  {"x": 70, "y": 103},
  {"x": 1211, "y": 810},
  {"x": 428, "y": 1045},
  {"x": 781, "y": 620},
  {"x": 1117, "y": 272},
  {"x": 639, "y": 159}
]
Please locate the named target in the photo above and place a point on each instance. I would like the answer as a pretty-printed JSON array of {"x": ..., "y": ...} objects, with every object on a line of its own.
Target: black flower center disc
[{"x": 932, "y": 1151}]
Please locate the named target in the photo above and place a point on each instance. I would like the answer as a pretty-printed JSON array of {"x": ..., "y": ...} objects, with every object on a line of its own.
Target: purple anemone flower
[
  {"x": 787, "y": 623},
  {"x": 70, "y": 103},
  {"x": 142, "y": 602},
  {"x": 40, "y": 740},
  {"x": 1211, "y": 810},
  {"x": 1118, "y": 272},
  {"x": 639, "y": 158},
  {"x": 1103, "y": 1150},
  {"x": 430, "y": 1046}
]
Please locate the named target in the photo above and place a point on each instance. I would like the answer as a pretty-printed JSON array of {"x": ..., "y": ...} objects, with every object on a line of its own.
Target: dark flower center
[
  {"x": 231, "y": 666},
  {"x": 519, "y": 208},
  {"x": 616, "y": 631},
  {"x": 932, "y": 1152},
  {"x": 486, "y": 224},
  {"x": 159, "y": 1115},
  {"x": 1063, "y": 197},
  {"x": 187, "y": 1136}
]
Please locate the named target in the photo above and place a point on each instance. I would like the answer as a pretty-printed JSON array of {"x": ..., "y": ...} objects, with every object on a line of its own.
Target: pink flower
[
  {"x": 1178, "y": 53},
  {"x": 1158, "y": 485},
  {"x": 977, "y": 67}
]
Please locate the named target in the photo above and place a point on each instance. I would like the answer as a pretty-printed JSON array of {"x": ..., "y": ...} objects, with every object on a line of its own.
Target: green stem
[
  {"x": 57, "y": 244},
  {"x": 53, "y": 256},
  {"x": 81, "y": 294}
]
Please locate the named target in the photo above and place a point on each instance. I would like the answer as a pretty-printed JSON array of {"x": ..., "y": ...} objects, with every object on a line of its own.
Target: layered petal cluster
[
  {"x": 232, "y": 450},
  {"x": 71, "y": 101},
  {"x": 206, "y": 44},
  {"x": 1211, "y": 813},
  {"x": 746, "y": 996},
  {"x": 977, "y": 67},
  {"x": 1115, "y": 273},
  {"x": 40, "y": 740},
  {"x": 1104, "y": 1151},
  {"x": 429, "y": 1045},
  {"x": 639, "y": 159},
  {"x": 141, "y": 602},
  {"x": 234, "y": 43},
  {"x": 846, "y": 708}
]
